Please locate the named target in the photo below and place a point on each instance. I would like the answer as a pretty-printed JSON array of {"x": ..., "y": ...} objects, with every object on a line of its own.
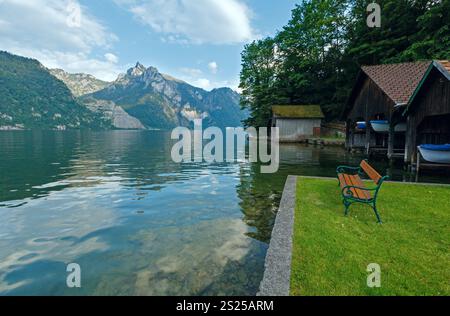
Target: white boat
[
  {"x": 383, "y": 127},
  {"x": 401, "y": 128},
  {"x": 380, "y": 126},
  {"x": 436, "y": 153}
]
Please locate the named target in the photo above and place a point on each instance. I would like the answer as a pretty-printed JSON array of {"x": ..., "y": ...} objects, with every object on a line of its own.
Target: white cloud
[
  {"x": 111, "y": 58},
  {"x": 59, "y": 33},
  {"x": 195, "y": 21},
  {"x": 202, "y": 83},
  {"x": 213, "y": 67},
  {"x": 196, "y": 78},
  {"x": 191, "y": 72},
  {"x": 209, "y": 85}
]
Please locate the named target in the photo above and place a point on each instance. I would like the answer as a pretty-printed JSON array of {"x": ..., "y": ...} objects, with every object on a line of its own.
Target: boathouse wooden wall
[
  {"x": 429, "y": 115},
  {"x": 371, "y": 101},
  {"x": 367, "y": 103}
]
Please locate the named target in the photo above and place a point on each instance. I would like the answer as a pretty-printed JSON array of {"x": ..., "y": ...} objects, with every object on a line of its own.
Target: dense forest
[
  {"x": 30, "y": 97},
  {"x": 316, "y": 57}
]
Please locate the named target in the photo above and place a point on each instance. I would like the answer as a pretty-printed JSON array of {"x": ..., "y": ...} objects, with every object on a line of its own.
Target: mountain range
[{"x": 32, "y": 96}]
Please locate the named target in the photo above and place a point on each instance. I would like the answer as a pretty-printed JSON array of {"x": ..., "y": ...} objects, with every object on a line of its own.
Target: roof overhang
[
  {"x": 442, "y": 69},
  {"x": 435, "y": 64}
]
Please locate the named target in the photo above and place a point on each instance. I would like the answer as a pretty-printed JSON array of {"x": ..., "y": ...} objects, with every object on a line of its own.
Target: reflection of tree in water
[{"x": 260, "y": 196}]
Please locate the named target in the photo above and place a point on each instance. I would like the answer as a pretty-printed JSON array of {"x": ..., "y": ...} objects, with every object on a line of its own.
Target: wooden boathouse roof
[{"x": 398, "y": 81}]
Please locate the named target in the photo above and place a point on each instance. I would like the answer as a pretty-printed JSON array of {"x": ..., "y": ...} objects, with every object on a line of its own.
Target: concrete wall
[{"x": 292, "y": 130}]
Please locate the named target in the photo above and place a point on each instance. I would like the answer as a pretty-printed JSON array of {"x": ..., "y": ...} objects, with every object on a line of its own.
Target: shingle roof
[
  {"x": 298, "y": 111},
  {"x": 398, "y": 81}
]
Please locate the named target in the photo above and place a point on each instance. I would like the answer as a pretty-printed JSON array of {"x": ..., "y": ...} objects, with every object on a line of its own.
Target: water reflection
[{"x": 137, "y": 223}]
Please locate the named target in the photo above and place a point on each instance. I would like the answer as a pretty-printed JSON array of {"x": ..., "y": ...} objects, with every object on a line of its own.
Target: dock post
[
  {"x": 418, "y": 161},
  {"x": 391, "y": 140},
  {"x": 368, "y": 138}
]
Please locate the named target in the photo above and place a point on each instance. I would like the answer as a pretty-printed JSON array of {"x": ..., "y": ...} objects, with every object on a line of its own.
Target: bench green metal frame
[{"x": 347, "y": 193}]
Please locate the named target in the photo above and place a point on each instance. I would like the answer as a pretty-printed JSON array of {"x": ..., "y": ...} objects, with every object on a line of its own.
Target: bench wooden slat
[
  {"x": 348, "y": 181},
  {"x": 371, "y": 172},
  {"x": 354, "y": 180},
  {"x": 357, "y": 182}
]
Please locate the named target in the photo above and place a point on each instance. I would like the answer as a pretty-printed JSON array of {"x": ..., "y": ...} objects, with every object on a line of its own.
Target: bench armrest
[
  {"x": 348, "y": 170},
  {"x": 349, "y": 187},
  {"x": 347, "y": 190}
]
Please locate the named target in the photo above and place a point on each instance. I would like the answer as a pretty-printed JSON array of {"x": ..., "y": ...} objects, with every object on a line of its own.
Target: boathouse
[
  {"x": 297, "y": 122},
  {"x": 374, "y": 113},
  {"x": 428, "y": 110}
]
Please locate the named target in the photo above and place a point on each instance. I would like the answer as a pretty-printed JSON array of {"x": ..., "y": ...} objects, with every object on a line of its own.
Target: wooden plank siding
[
  {"x": 371, "y": 103},
  {"x": 429, "y": 115}
]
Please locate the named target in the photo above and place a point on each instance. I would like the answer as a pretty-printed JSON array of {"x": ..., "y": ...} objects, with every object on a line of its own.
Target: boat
[
  {"x": 383, "y": 127},
  {"x": 361, "y": 125},
  {"x": 380, "y": 126},
  {"x": 401, "y": 128},
  {"x": 436, "y": 153}
]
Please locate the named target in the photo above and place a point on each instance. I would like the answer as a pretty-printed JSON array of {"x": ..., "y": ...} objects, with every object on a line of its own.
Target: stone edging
[{"x": 277, "y": 273}]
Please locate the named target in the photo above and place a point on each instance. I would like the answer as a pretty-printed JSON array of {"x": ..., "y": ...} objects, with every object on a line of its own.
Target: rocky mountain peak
[
  {"x": 79, "y": 83},
  {"x": 137, "y": 70}
]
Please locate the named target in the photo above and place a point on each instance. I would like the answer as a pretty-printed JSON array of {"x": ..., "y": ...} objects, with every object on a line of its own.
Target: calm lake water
[{"x": 137, "y": 223}]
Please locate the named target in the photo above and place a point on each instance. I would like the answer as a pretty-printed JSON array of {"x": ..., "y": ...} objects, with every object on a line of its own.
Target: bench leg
[
  {"x": 347, "y": 206},
  {"x": 374, "y": 206}
]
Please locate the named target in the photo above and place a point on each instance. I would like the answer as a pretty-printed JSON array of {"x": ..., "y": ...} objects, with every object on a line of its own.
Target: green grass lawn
[{"x": 331, "y": 252}]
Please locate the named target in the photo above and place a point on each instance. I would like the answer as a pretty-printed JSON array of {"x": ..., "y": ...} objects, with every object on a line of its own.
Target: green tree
[
  {"x": 369, "y": 46},
  {"x": 312, "y": 46},
  {"x": 259, "y": 81},
  {"x": 315, "y": 58},
  {"x": 432, "y": 41}
]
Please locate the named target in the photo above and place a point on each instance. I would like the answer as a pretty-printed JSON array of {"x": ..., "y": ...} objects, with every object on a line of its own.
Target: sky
[{"x": 199, "y": 41}]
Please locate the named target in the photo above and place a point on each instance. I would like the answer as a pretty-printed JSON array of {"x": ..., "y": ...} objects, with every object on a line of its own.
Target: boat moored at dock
[{"x": 436, "y": 153}]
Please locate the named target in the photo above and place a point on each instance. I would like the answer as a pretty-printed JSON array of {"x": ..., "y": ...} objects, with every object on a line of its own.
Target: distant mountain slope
[
  {"x": 82, "y": 84},
  {"x": 30, "y": 97},
  {"x": 160, "y": 101},
  {"x": 119, "y": 118},
  {"x": 79, "y": 84}
]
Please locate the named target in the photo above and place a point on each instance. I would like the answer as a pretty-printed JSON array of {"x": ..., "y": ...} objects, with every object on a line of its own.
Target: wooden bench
[{"x": 355, "y": 191}]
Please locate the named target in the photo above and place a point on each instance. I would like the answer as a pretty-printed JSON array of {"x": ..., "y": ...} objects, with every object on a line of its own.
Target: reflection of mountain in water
[
  {"x": 37, "y": 163},
  {"x": 116, "y": 204}
]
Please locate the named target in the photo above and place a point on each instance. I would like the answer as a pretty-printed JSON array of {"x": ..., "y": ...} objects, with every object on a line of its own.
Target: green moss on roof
[{"x": 298, "y": 111}]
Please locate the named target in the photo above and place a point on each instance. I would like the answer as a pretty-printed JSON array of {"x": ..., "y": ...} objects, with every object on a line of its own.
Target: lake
[{"x": 135, "y": 222}]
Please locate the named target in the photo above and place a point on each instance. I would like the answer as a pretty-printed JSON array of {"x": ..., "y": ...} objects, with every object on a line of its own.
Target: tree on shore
[{"x": 315, "y": 58}]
